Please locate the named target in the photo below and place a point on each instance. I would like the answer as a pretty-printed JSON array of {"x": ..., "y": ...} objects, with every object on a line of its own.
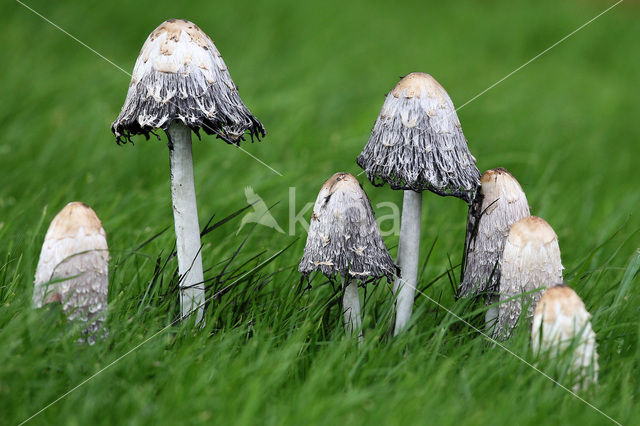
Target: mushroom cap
[
  {"x": 417, "y": 142},
  {"x": 560, "y": 317},
  {"x": 531, "y": 259},
  {"x": 180, "y": 75},
  {"x": 344, "y": 237},
  {"x": 500, "y": 203},
  {"x": 73, "y": 268}
]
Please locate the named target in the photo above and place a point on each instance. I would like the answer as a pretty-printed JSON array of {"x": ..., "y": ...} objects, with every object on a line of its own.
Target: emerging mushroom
[
  {"x": 499, "y": 204},
  {"x": 73, "y": 268},
  {"x": 531, "y": 260},
  {"x": 344, "y": 240},
  {"x": 180, "y": 83},
  {"x": 561, "y": 322},
  {"x": 417, "y": 144}
]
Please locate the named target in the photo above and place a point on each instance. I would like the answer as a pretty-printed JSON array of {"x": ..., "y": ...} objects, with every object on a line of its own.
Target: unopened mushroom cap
[
  {"x": 500, "y": 203},
  {"x": 344, "y": 237},
  {"x": 417, "y": 142},
  {"x": 560, "y": 317},
  {"x": 180, "y": 75},
  {"x": 531, "y": 260},
  {"x": 73, "y": 268}
]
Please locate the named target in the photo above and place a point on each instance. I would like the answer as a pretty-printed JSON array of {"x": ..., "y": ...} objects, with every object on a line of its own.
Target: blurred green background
[{"x": 315, "y": 74}]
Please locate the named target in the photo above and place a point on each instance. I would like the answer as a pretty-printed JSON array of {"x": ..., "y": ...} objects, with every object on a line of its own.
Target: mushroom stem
[
  {"x": 490, "y": 320},
  {"x": 351, "y": 307},
  {"x": 408, "y": 257},
  {"x": 185, "y": 215}
]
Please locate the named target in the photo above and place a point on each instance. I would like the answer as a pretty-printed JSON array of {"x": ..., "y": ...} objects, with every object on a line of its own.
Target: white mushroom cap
[
  {"x": 344, "y": 237},
  {"x": 531, "y": 260},
  {"x": 180, "y": 75},
  {"x": 500, "y": 203},
  {"x": 73, "y": 268},
  {"x": 417, "y": 142},
  {"x": 560, "y": 317}
]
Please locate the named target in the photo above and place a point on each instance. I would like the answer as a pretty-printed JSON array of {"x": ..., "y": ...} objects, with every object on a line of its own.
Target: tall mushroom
[
  {"x": 561, "y": 322},
  {"x": 181, "y": 84},
  {"x": 499, "y": 204},
  {"x": 531, "y": 260},
  {"x": 344, "y": 240},
  {"x": 417, "y": 144},
  {"x": 73, "y": 268}
]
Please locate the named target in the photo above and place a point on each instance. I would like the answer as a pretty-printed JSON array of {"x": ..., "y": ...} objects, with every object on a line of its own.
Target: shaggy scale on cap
[
  {"x": 75, "y": 255},
  {"x": 499, "y": 204},
  {"x": 531, "y": 260},
  {"x": 417, "y": 142},
  {"x": 344, "y": 237},
  {"x": 559, "y": 318},
  {"x": 180, "y": 75}
]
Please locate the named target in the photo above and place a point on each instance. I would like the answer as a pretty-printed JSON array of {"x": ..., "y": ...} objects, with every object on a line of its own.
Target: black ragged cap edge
[
  {"x": 124, "y": 132},
  {"x": 255, "y": 130},
  {"x": 465, "y": 195},
  {"x": 364, "y": 279}
]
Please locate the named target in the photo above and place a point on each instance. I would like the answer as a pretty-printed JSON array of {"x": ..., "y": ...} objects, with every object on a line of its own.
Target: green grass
[{"x": 273, "y": 353}]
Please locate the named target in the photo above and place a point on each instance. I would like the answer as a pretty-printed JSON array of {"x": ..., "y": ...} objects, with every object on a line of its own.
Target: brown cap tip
[
  {"x": 531, "y": 230},
  {"x": 71, "y": 218},
  {"x": 174, "y": 27},
  {"x": 417, "y": 82},
  {"x": 341, "y": 180},
  {"x": 560, "y": 299},
  {"x": 499, "y": 182}
]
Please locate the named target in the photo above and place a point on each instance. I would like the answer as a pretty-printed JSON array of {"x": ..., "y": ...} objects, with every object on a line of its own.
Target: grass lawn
[{"x": 567, "y": 126}]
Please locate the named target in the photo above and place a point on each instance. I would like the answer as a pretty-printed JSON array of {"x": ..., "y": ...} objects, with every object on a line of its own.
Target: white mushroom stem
[
  {"x": 351, "y": 307},
  {"x": 408, "y": 258},
  {"x": 185, "y": 215},
  {"x": 490, "y": 320}
]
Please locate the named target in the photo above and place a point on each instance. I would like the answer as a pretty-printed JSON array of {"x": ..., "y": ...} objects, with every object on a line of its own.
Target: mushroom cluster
[{"x": 180, "y": 84}]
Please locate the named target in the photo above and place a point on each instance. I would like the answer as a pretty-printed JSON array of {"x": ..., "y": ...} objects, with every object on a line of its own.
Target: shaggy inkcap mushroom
[
  {"x": 499, "y": 204},
  {"x": 73, "y": 268},
  {"x": 531, "y": 260},
  {"x": 179, "y": 84},
  {"x": 560, "y": 318},
  {"x": 344, "y": 240},
  {"x": 417, "y": 144},
  {"x": 180, "y": 75}
]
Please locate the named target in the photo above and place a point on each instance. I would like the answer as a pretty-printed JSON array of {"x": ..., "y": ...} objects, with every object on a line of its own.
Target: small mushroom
[
  {"x": 344, "y": 240},
  {"x": 559, "y": 319},
  {"x": 180, "y": 83},
  {"x": 417, "y": 144},
  {"x": 73, "y": 268},
  {"x": 499, "y": 204},
  {"x": 531, "y": 260}
]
